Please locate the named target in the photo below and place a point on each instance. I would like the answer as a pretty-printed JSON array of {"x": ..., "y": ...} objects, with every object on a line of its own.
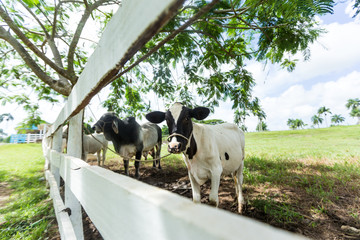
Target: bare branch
[
  {"x": 30, "y": 45},
  {"x": 201, "y": 12},
  {"x": 62, "y": 87},
  {"x": 78, "y": 31},
  {"x": 50, "y": 39}
]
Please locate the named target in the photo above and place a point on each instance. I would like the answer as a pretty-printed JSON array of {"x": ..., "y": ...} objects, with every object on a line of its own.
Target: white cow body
[
  {"x": 209, "y": 162},
  {"x": 209, "y": 150},
  {"x": 92, "y": 146}
]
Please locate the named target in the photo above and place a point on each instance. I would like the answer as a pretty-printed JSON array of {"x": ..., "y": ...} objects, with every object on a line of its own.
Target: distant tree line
[{"x": 323, "y": 112}]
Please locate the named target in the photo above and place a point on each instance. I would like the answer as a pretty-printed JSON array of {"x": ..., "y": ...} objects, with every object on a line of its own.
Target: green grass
[
  {"x": 320, "y": 165},
  {"x": 289, "y": 176},
  {"x": 29, "y": 214}
]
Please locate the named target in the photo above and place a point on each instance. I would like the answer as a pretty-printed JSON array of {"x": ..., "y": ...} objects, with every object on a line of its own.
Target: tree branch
[
  {"x": 62, "y": 87},
  {"x": 49, "y": 38},
  {"x": 201, "y": 12},
  {"x": 78, "y": 31},
  {"x": 30, "y": 45}
]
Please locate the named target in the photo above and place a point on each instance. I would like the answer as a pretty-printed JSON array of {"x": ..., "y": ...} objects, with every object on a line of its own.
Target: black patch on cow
[
  {"x": 183, "y": 126},
  {"x": 227, "y": 156},
  {"x": 191, "y": 151}
]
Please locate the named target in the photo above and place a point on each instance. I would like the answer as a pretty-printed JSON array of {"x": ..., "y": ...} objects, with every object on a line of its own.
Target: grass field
[
  {"x": 308, "y": 176},
  {"x": 306, "y": 181},
  {"x": 28, "y": 213}
]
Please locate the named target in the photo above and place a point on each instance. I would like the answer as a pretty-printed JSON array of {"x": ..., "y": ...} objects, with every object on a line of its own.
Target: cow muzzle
[{"x": 174, "y": 147}]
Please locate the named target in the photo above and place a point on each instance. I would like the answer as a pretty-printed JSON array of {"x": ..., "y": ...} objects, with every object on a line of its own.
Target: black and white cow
[
  {"x": 209, "y": 150},
  {"x": 129, "y": 138}
]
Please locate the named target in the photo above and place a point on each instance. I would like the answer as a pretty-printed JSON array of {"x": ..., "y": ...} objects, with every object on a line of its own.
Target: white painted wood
[
  {"x": 65, "y": 227},
  {"x": 132, "y": 25},
  {"x": 56, "y": 158},
  {"x": 124, "y": 208},
  {"x": 119, "y": 206},
  {"x": 56, "y": 146},
  {"x": 74, "y": 148}
]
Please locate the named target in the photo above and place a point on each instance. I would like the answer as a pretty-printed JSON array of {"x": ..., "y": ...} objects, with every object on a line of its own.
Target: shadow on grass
[
  {"x": 301, "y": 194},
  {"x": 28, "y": 213}
]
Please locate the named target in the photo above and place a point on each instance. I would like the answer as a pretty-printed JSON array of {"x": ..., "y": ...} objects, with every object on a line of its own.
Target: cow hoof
[
  {"x": 240, "y": 209},
  {"x": 213, "y": 203}
]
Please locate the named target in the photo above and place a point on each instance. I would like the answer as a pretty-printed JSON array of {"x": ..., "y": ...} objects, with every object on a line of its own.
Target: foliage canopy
[{"x": 203, "y": 63}]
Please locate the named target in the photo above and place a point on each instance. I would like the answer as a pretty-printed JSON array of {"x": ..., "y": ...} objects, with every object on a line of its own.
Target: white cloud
[
  {"x": 297, "y": 102},
  {"x": 350, "y": 11},
  {"x": 335, "y": 53}
]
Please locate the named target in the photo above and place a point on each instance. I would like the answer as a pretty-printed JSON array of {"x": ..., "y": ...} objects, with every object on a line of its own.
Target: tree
[
  {"x": 295, "y": 123},
  {"x": 209, "y": 121},
  {"x": 354, "y": 105},
  {"x": 262, "y": 127},
  {"x": 325, "y": 111},
  {"x": 6, "y": 117},
  {"x": 48, "y": 54},
  {"x": 317, "y": 120},
  {"x": 337, "y": 119}
]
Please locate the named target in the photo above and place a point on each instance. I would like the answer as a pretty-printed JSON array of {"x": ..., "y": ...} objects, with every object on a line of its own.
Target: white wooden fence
[
  {"x": 121, "y": 207},
  {"x": 26, "y": 138}
]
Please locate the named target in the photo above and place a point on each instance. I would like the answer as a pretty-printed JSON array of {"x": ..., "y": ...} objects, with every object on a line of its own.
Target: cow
[
  {"x": 129, "y": 138},
  {"x": 209, "y": 150},
  {"x": 94, "y": 143}
]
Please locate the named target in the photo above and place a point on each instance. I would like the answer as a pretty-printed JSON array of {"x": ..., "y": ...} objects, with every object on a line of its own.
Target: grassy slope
[
  {"x": 282, "y": 169},
  {"x": 340, "y": 142},
  {"x": 29, "y": 212},
  {"x": 305, "y": 174}
]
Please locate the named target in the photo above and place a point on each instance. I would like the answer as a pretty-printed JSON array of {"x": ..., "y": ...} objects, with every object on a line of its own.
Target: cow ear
[
  {"x": 115, "y": 126},
  {"x": 155, "y": 117},
  {"x": 199, "y": 113}
]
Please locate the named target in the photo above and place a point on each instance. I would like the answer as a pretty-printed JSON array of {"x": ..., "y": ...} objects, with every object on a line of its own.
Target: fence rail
[
  {"x": 121, "y": 207},
  {"x": 26, "y": 138}
]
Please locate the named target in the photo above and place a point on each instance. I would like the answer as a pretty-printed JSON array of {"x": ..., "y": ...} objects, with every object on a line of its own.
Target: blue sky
[{"x": 329, "y": 78}]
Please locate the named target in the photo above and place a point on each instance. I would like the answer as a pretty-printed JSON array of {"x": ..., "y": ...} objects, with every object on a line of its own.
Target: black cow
[{"x": 129, "y": 138}]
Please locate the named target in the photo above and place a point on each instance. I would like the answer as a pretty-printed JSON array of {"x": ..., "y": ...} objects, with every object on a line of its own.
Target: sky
[{"x": 329, "y": 78}]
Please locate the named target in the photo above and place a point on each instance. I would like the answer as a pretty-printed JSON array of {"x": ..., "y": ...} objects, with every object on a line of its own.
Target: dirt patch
[
  {"x": 292, "y": 209},
  {"x": 5, "y": 193}
]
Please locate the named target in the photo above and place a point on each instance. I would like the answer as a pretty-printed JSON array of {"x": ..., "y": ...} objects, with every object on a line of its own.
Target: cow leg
[
  {"x": 126, "y": 166},
  {"x": 214, "y": 191},
  {"x": 195, "y": 188},
  {"x": 103, "y": 156},
  {"x": 98, "y": 157},
  {"x": 153, "y": 155},
  {"x": 158, "y": 153},
  {"x": 238, "y": 180},
  {"x": 137, "y": 164}
]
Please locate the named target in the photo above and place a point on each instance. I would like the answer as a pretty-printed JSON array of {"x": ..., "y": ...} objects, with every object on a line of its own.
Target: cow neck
[{"x": 191, "y": 147}]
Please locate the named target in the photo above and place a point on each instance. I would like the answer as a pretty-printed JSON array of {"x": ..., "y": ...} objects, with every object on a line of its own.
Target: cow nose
[{"x": 174, "y": 147}]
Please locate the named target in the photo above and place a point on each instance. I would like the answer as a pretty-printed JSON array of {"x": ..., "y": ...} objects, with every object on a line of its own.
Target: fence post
[
  {"x": 57, "y": 142},
  {"x": 74, "y": 148}
]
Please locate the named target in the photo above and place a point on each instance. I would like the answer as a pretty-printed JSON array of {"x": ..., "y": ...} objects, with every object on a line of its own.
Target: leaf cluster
[
  {"x": 202, "y": 63},
  {"x": 206, "y": 62}
]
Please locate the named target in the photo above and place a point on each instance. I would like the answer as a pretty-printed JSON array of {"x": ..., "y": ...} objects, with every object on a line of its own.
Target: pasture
[{"x": 305, "y": 181}]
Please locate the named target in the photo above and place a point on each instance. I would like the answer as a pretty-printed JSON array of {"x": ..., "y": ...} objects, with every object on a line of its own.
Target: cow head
[
  {"x": 108, "y": 119},
  {"x": 178, "y": 119}
]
